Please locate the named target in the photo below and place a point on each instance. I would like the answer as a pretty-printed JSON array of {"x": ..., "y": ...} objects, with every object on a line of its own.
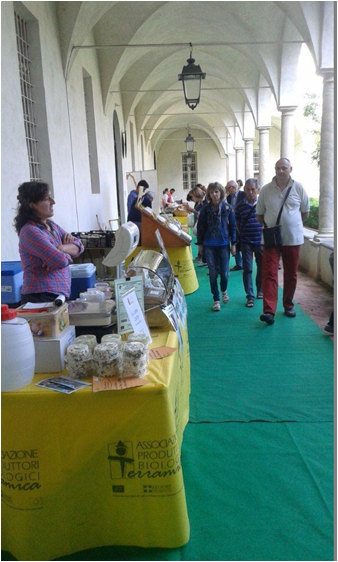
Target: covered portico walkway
[{"x": 258, "y": 451}]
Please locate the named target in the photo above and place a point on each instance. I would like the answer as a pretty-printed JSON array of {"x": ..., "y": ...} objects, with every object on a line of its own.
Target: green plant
[
  {"x": 312, "y": 110},
  {"x": 313, "y": 220}
]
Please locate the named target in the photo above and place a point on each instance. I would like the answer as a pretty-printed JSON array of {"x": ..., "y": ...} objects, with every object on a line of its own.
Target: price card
[
  {"x": 135, "y": 313},
  {"x": 112, "y": 383},
  {"x": 122, "y": 286}
]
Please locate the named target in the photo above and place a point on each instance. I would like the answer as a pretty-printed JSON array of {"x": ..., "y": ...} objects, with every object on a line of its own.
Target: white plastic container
[
  {"x": 92, "y": 295},
  {"x": 17, "y": 351}
]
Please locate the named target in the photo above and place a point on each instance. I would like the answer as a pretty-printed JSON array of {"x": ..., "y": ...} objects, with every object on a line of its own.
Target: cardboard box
[
  {"x": 50, "y": 352},
  {"x": 46, "y": 324}
]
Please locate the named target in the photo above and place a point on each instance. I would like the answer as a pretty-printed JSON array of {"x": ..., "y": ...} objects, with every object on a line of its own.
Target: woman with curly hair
[{"x": 46, "y": 250}]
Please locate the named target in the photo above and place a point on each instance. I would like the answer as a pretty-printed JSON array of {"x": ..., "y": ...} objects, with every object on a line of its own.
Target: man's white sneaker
[
  {"x": 225, "y": 297},
  {"x": 217, "y": 306}
]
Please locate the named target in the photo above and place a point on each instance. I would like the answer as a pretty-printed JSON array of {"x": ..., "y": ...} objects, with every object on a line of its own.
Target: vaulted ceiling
[{"x": 249, "y": 51}]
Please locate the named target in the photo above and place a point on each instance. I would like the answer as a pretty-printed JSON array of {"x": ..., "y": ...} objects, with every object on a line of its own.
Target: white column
[
  {"x": 326, "y": 174},
  {"x": 249, "y": 168},
  {"x": 264, "y": 155},
  {"x": 226, "y": 168},
  {"x": 287, "y": 145},
  {"x": 231, "y": 167},
  {"x": 240, "y": 172}
]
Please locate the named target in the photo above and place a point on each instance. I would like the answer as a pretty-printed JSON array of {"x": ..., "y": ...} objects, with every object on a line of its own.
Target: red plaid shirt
[{"x": 38, "y": 247}]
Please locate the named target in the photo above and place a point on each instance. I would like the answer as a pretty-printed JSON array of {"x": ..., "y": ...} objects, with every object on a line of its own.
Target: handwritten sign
[
  {"x": 112, "y": 383},
  {"x": 121, "y": 287},
  {"x": 160, "y": 352},
  {"x": 135, "y": 313}
]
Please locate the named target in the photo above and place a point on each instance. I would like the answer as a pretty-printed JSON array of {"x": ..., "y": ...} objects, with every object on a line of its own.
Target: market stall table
[{"x": 93, "y": 469}]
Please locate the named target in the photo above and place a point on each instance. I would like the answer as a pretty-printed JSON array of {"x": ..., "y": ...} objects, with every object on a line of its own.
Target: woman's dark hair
[
  {"x": 143, "y": 183},
  {"x": 29, "y": 192},
  {"x": 240, "y": 183},
  {"x": 165, "y": 190}
]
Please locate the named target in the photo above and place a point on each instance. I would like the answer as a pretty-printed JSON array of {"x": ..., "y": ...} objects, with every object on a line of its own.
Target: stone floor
[{"x": 313, "y": 297}]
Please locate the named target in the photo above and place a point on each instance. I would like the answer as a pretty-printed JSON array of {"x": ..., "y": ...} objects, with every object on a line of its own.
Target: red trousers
[{"x": 271, "y": 256}]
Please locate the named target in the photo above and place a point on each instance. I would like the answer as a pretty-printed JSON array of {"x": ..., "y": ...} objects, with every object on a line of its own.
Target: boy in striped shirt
[{"x": 250, "y": 231}]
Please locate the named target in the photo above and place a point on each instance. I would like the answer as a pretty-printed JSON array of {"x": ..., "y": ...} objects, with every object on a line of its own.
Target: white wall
[
  {"x": 76, "y": 207},
  {"x": 103, "y": 204},
  {"x": 14, "y": 163},
  {"x": 210, "y": 166}
]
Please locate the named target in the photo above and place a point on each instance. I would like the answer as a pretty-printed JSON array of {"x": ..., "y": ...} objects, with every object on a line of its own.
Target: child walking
[
  {"x": 250, "y": 231},
  {"x": 216, "y": 227}
]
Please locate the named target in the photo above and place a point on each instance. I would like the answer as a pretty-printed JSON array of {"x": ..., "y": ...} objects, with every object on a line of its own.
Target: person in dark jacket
[
  {"x": 135, "y": 215},
  {"x": 234, "y": 197},
  {"x": 133, "y": 195},
  {"x": 250, "y": 232},
  {"x": 216, "y": 229},
  {"x": 197, "y": 195}
]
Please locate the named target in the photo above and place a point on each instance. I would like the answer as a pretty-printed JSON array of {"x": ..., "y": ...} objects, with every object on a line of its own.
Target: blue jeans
[
  {"x": 238, "y": 257},
  {"x": 217, "y": 258},
  {"x": 248, "y": 251}
]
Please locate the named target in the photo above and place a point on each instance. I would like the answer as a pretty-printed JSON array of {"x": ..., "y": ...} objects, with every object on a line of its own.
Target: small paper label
[
  {"x": 6, "y": 289},
  {"x": 113, "y": 383},
  {"x": 160, "y": 352}
]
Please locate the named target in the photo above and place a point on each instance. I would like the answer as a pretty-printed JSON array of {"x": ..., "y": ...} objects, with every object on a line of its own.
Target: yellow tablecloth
[{"x": 91, "y": 469}]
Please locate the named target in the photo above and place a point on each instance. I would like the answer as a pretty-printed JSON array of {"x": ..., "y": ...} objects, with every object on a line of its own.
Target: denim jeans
[
  {"x": 238, "y": 256},
  {"x": 217, "y": 258},
  {"x": 248, "y": 251}
]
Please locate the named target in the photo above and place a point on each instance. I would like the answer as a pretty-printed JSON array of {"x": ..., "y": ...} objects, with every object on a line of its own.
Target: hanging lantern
[
  {"x": 192, "y": 77},
  {"x": 189, "y": 142}
]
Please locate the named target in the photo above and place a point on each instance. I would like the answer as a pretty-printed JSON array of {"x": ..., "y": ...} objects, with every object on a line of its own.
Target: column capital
[
  {"x": 327, "y": 74},
  {"x": 239, "y": 147},
  {"x": 264, "y": 128},
  {"x": 287, "y": 109},
  {"x": 248, "y": 139}
]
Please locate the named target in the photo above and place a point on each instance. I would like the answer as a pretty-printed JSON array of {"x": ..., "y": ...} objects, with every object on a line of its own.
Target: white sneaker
[
  {"x": 217, "y": 306},
  {"x": 225, "y": 297}
]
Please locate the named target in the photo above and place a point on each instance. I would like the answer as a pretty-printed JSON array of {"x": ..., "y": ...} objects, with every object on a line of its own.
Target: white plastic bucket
[{"x": 17, "y": 354}]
